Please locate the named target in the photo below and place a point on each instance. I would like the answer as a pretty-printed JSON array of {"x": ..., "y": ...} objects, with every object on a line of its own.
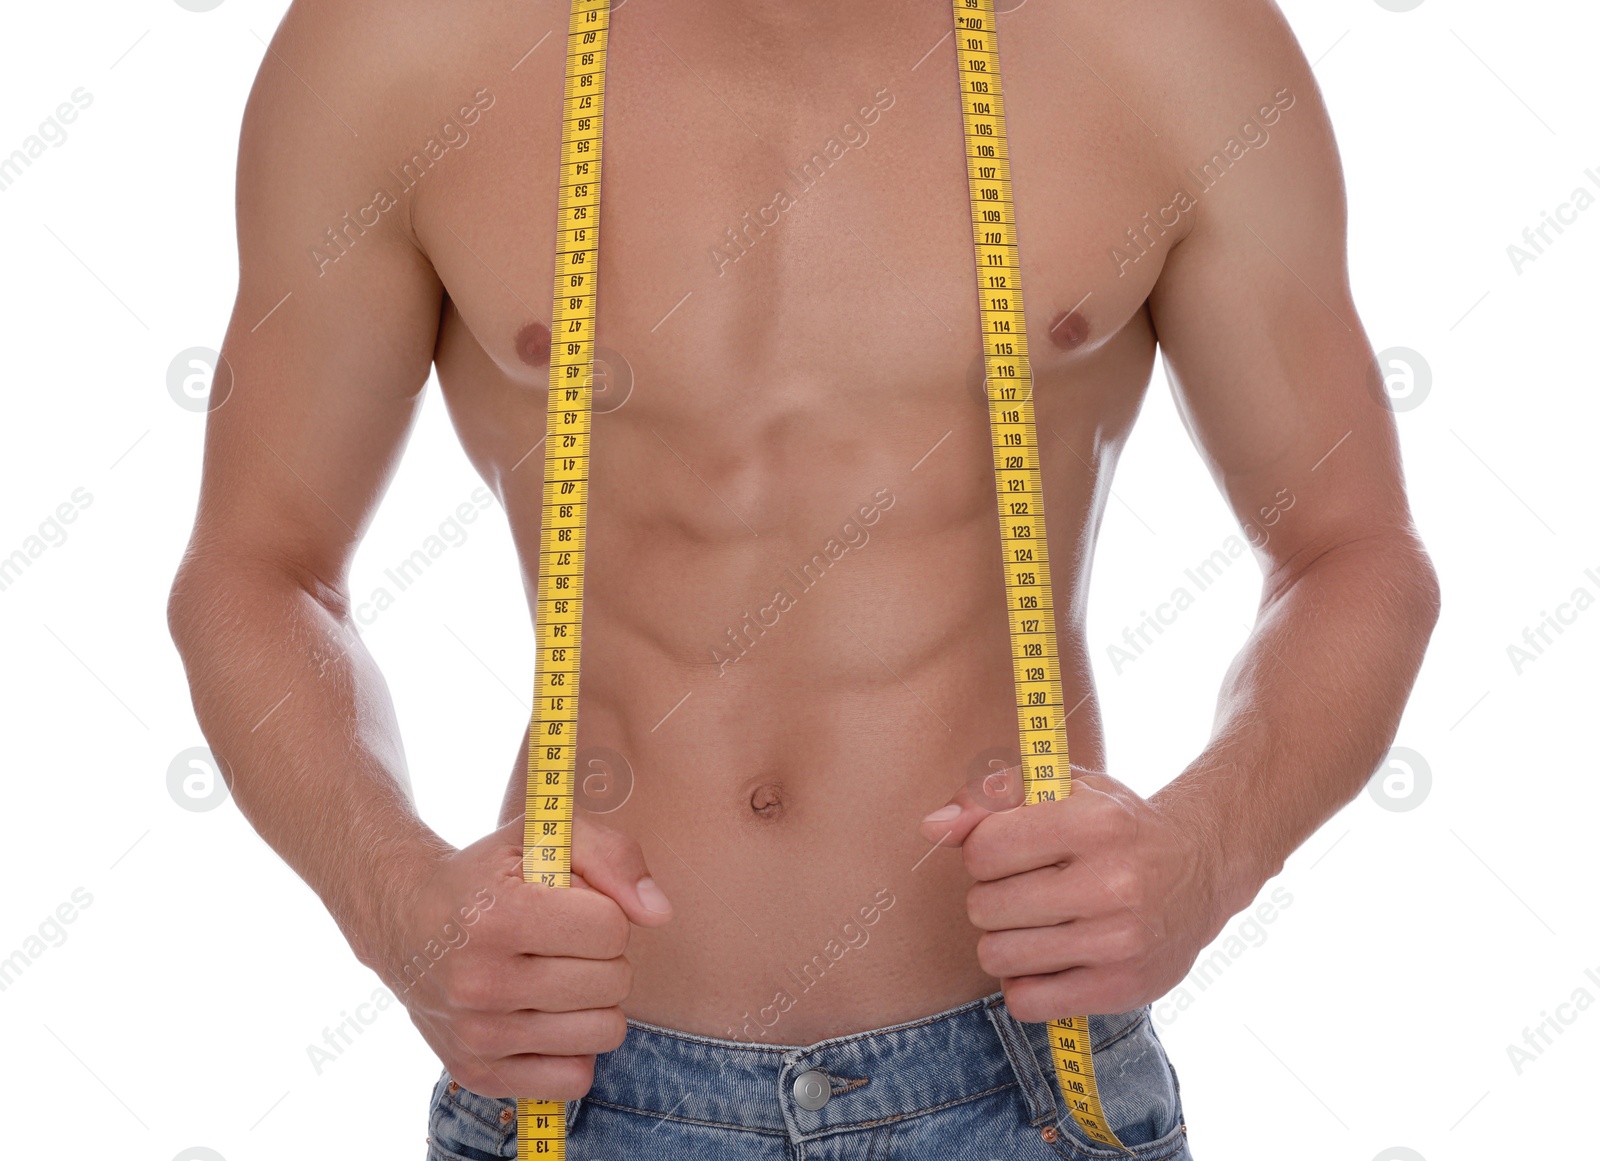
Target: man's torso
[{"x": 794, "y": 628}]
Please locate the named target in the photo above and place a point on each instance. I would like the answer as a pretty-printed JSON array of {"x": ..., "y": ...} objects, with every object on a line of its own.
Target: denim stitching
[
  {"x": 594, "y": 1100},
  {"x": 1143, "y": 1018},
  {"x": 438, "y": 1153},
  {"x": 853, "y": 1126},
  {"x": 1038, "y": 1091},
  {"x": 712, "y": 1041},
  {"x": 455, "y": 1101},
  {"x": 1073, "y": 1151}
]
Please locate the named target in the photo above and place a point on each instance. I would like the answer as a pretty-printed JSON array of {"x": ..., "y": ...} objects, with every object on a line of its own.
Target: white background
[{"x": 1374, "y": 1012}]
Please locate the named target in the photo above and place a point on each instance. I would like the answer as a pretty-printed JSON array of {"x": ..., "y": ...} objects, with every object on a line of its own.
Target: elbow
[
  {"x": 1431, "y": 595},
  {"x": 1391, "y": 570},
  {"x": 224, "y": 592},
  {"x": 208, "y": 590},
  {"x": 1423, "y": 584},
  {"x": 193, "y": 590},
  {"x": 1414, "y": 584}
]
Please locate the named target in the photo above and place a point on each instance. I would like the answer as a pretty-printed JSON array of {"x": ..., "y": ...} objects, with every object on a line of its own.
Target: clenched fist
[
  {"x": 518, "y": 986},
  {"x": 1094, "y": 903}
]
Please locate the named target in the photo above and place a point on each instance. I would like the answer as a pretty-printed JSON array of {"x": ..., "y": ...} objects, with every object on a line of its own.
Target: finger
[
  {"x": 564, "y": 984},
  {"x": 604, "y": 859},
  {"x": 555, "y": 1078},
  {"x": 612, "y": 863},
  {"x": 541, "y": 983},
  {"x": 1076, "y": 992},
  {"x": 1047, "y": 833},
  {"x": 1037, "y": 898},
  {"x": 510, "y": 1034},
  {"x": 1104, "y": 886},
  {"x": 976, "y": 800},
  {"x": 1030, "y": 951},
  {"x": 530, "y": 919}
]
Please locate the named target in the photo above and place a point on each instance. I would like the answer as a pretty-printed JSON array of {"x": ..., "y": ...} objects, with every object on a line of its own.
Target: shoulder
[
  {"x": 366, "y": 51},
  {"x": 348, "y": 88},
  {"x": 1234, "y": 68},
  {"x": 1210, "y": 76},
  {"x": 1245, "y": 133}
]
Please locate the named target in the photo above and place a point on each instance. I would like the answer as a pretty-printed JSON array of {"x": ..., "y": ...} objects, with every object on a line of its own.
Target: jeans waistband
[{"x": 874, "y": 1077}]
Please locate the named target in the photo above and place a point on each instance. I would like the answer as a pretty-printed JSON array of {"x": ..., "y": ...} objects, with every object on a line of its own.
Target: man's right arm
[
  {"x": 328, "y": 361},
  {"x": 327, "y": 369}
]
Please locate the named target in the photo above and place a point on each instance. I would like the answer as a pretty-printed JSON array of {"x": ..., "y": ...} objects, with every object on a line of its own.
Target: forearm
[
  {"x": 1307, "y": 709},
  {"x": 298, "y": 715}
]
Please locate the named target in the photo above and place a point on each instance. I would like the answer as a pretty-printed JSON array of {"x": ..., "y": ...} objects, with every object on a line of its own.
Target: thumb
[
  {"x": 976, "y": 800},
  {"x": 612, "y": 863}
]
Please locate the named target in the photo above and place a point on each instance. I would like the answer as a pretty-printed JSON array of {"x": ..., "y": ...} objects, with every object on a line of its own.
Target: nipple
[
  {"x": 1069, "y": 330},
  {"x": 533, "y": 344}
]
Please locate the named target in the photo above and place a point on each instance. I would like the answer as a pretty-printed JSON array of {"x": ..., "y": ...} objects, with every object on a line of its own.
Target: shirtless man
[{"x": 803, "y": 419}]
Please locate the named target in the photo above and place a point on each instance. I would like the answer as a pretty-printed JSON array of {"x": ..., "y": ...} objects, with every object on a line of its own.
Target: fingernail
[
  {"x": 650, "y": 895},
  {"x": 944, "y": 813}
]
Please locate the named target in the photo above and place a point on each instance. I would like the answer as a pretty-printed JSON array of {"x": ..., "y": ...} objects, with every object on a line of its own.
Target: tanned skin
[{"x": 826, "y": 369}]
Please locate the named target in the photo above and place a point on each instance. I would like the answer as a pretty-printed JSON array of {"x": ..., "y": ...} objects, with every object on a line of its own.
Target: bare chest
[{"x": 784, "y": 225}]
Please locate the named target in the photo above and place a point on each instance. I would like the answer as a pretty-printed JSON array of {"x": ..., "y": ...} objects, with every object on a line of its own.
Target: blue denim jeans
[{"x": 970, "y": 1084}]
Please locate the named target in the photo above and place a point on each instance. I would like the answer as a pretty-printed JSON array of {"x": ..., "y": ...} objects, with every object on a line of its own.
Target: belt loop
[
  {"x": 1038, "y": 1087},
  {"x": 572, "y": 1113}
]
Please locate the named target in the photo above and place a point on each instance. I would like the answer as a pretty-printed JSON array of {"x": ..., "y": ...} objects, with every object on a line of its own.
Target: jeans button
[{"x": 812, "y": 1090}]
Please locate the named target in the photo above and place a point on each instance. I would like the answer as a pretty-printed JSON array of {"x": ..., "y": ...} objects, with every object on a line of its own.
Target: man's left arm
[
  {"x": 1102, "y": 901},
  {"x": 1281, "y": 392}
]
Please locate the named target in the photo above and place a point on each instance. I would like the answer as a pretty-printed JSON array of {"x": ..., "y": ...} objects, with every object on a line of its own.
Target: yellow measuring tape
[
  {"x": 1019, "y": 489},
  {"x": 558, "y": 616},
  {"x": 552, "y": 732}
]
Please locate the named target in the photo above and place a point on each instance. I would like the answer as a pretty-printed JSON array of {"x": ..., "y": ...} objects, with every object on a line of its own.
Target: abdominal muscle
[{"x": 792, "y": 675}]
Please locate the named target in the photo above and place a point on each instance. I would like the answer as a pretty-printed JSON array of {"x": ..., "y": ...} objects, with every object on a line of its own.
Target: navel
[
  {"x": 533, "y": 344},
  {"x": 1069, "y": 330},
  {"x": 766, "y": 800}
]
